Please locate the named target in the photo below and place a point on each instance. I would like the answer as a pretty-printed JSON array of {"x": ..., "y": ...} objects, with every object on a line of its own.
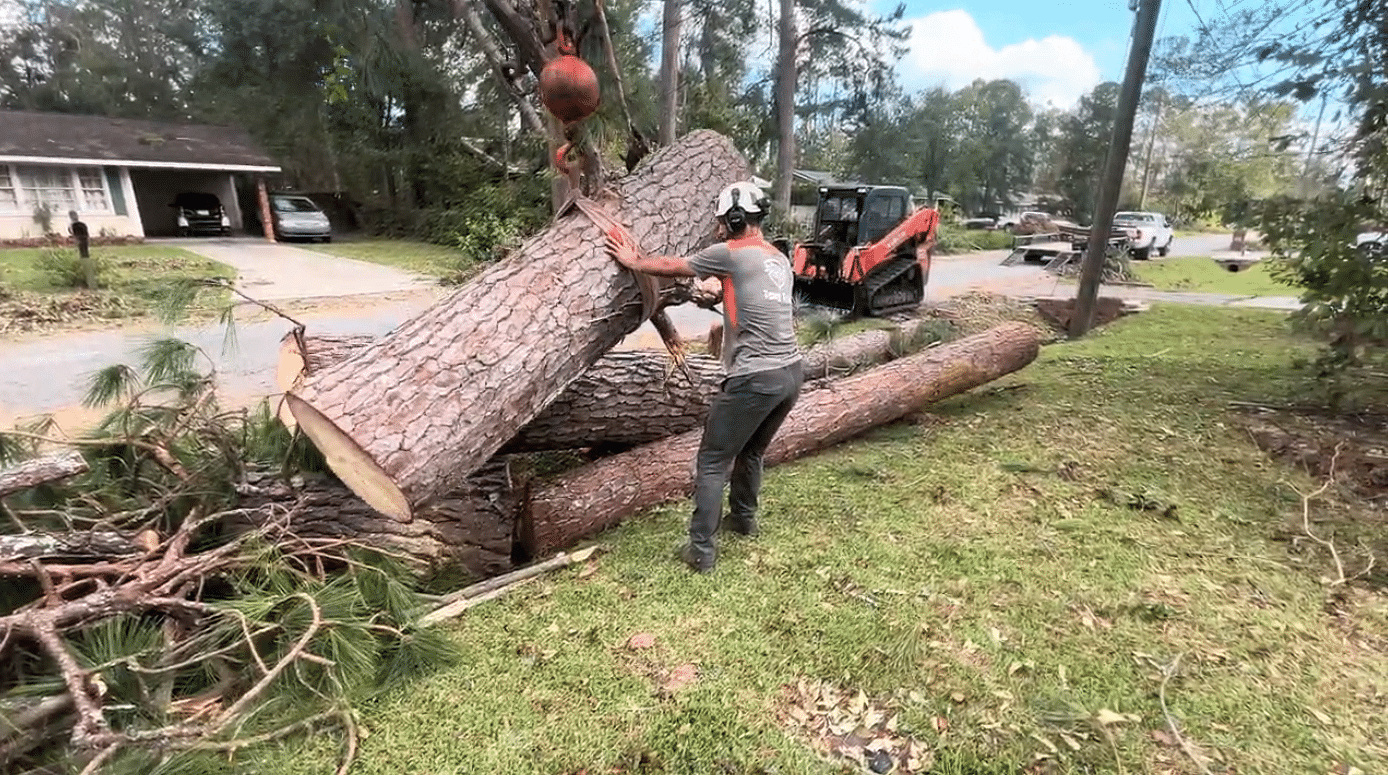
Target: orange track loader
[{"x": 870, "y": 255}]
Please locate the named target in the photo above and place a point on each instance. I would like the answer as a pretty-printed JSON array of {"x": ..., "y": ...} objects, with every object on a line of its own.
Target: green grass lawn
[
  {"x": 422, "y": 257},
  {"x": 1202, "y": 275},
  {"x": 1003, "y": 580},
  {"x": 139, "y": 270},
  {"x": 133, "y": 280}
]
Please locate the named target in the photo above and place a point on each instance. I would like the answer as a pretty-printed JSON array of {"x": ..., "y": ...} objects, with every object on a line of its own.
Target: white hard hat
[{"x": 743, "y": 195}]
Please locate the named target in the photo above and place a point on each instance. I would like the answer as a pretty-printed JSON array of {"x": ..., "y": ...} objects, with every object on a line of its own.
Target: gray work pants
[{"x": 742, "y": 419}]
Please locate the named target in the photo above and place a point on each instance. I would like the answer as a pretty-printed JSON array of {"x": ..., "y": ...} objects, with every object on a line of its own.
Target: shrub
[
  {"x": 953, "y": 240},
  {"x": 64, "y": 268},
  {"x": 1345, "y": 297}
]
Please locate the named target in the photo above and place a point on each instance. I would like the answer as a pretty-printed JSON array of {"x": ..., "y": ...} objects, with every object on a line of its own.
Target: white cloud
[{"x": 948, "y": 47}]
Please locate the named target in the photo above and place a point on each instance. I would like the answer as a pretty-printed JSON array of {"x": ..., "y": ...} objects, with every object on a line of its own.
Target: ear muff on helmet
[{"x": 740, "y": 200}]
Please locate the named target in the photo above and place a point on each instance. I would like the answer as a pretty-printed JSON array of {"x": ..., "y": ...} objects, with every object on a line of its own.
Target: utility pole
[{"x": 1144, "y": 29}]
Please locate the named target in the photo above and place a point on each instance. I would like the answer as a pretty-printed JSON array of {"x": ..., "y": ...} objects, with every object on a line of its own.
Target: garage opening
[{"x": 157, "y": 190}]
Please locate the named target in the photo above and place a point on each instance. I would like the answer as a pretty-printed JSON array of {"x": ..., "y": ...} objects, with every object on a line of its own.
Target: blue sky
[{"x": 1058, "y": 49}]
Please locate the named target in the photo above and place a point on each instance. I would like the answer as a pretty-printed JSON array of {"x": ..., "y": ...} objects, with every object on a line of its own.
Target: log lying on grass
[
  {"x": 407, "y": 419},
  {"x": 628, "y": 397},
  {"x": 601, "y": 494},
  {"x": 471, "y": 528}
]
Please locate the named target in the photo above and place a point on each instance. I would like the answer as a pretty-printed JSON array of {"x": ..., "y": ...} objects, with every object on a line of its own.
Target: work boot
[
  {"x": 697, "y": 562},
  {"x": 746, "y": 526}
]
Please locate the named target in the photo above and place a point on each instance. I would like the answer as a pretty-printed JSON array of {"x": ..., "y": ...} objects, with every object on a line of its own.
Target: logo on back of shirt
[{"x": 778, "y": 272}]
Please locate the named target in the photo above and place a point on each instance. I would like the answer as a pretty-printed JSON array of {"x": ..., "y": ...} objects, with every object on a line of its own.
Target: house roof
[{"x": 63, "y": 138}]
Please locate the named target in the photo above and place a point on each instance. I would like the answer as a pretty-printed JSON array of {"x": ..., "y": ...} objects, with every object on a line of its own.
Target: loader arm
[{"x": 920, "y": 227}]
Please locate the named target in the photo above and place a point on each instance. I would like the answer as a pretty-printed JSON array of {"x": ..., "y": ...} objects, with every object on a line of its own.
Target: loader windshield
[{"x": 838, "y": 218}]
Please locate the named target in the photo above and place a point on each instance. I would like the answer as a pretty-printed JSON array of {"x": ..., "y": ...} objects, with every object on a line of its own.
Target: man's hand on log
[{"x": 622, "y": 247}]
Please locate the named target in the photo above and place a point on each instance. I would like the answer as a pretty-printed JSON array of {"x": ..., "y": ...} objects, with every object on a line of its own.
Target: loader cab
[{"x": 859, "y": 215}]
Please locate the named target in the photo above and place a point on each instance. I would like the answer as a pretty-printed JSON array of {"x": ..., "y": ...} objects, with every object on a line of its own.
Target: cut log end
[
  {"x": 289, "y": 370},
  {"x": 352, "y": 465}
]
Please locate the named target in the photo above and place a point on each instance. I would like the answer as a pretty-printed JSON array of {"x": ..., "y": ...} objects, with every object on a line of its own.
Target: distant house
[{"x": 120, "y": 175}]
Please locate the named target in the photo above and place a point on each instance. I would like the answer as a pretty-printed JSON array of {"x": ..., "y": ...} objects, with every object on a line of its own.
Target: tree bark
[
  {"x": 409, "y": 418},
  {"x": 41, "y": 470},
  {"x": 602, "y": 494},
  {"x": 84, "y": 545},
  {"x": 471, "y": 528},
  {"x": 669, "y": 72},
  {"x": 785, "y": 108},
  {"x": 599, "y": 408}
]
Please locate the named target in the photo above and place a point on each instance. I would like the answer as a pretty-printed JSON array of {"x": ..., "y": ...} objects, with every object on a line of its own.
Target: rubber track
[{"x": 883, "y": 278}]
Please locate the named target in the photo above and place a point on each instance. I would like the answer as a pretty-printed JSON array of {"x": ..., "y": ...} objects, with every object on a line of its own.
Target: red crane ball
[{"x": 569, "y": 88}]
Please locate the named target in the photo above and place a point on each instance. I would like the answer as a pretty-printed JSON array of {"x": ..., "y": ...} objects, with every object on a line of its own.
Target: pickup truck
[{"x": 1154, "y": 234}]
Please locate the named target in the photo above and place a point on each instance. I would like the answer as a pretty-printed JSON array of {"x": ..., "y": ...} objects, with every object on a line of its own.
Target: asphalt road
[{"x": 50, "y": 372}]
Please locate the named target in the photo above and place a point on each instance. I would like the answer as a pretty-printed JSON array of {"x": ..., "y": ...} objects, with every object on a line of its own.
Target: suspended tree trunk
[
  {"x": 785, "y": 107},
  {"x": 628, "y": 397},
  {"x": 669, "y": 72},
  {"x": 601, "y": 494},
  {"x": 407, "y": 419}
]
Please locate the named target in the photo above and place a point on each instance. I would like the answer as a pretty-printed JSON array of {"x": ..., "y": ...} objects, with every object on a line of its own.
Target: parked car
[
  {"x": 200, "y": 213},
  {"x": 1153, "y": 232},
  {"x": 295, "y": 216},
  {"x": 981, "y": 223},
  {"x": 1373, "y": 244}
]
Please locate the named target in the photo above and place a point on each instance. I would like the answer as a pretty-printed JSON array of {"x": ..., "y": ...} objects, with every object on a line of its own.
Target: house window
[
  {"x": 93, "y": 185},
  {"x": 61, "y": 188},
  {"x": 9, "y": 197},
  {"x": 48, "y": 185}
]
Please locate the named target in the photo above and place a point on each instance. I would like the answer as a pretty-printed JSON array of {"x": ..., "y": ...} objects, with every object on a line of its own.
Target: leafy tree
[
  {"x": 1082, "y": 147},
  {"x": 1336, "y": 53},
  {"x": 994, "y": 160}
]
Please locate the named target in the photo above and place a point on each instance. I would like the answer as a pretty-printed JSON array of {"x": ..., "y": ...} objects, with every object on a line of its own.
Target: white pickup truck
[{"x": 1154, "y": 232}]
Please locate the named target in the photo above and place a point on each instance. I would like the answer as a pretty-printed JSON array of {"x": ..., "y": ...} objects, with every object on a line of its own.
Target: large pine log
[
  {"x": 628, "y": 397},
  {"x": 471, "y": 528},
  {"x": 407, "y": 419},
  {"x": 601, "y": 494},
  {"x": 41, "y": 470},
  {"x": 476, "y": 525}
]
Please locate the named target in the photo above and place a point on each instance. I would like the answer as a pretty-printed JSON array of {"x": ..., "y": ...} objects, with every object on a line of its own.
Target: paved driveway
[{"x": 277, "y": 271}]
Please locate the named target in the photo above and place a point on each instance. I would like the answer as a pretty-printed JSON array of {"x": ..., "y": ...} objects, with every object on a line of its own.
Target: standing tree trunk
[
  {"x": 601, "y": 494},
  {"x": 467, "y": 11},
  {"x": 410, "y": 417},
  {"x": 785, "y": 108},
  {"x": 669, "y": 72},
  {"x": 599, "y": 408}
]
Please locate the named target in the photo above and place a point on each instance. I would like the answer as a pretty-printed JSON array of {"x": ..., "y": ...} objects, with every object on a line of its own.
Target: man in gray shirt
[{"x": 761, "y": 360}]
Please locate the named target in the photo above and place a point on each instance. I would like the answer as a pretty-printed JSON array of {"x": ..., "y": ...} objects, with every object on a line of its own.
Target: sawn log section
[
  {"x": 601, "y": 494},
  {"x": 406, "y": 420}
]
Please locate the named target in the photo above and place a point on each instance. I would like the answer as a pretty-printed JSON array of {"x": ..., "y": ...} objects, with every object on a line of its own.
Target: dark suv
[{"x": 200, "y": 213}]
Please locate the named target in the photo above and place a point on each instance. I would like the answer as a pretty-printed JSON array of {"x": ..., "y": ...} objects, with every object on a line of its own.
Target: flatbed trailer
[{"x": 1057, "y": 249}]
